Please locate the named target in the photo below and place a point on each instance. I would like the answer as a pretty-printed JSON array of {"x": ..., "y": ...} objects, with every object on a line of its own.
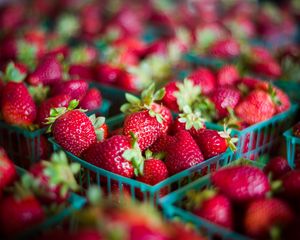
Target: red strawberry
[
  {"x": 277, "y": 166},
  {"x": 291, "y": 184},
  {"x": 90, "y": 18},
  {"x": 11, "y": 16},
  {"x": 54, "y": 179},
  {"x": 49, "y": 71},
  {"x": 83, "y": 55},
  {"x": 240, "y": 183},
  {"x": 260, "y": 54},
  {"x": 228, "y": 48},
  {"x": 212, "y": 206},
  {"x": 161, "y": 143},
  {"x": 19, "y": 213},
  {"x": 92, "y": 100},
  {"x": 204, "y": 78},
  {"x": 53, "y": 102},
  {"x": 17, "y": 105},
  {"x": 107, "y": 74},
  {"x": 182, "y": 153},
  {"x": 127, "y": 81},
  {"x": 224, "y": 98},
  {"x": 270, "y": 68},
  {"x": 165, "y": 114},
  {"x": 169, "y": 100},
  {"x": 256, "y": 107},
  {"x": 76, "y": 89},
  {"x": 72, "y": 129},
  {"x": 296, "y": 130},
  {"x": 227, "y": 75},
  {"x": 7, "y": 170},
  {"x": 263, "y": 215},
  {"x": 81, "y": 72}
]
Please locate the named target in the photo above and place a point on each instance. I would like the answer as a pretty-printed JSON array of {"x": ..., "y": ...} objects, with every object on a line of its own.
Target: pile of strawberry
[
  {"x": 28, "y": 200},
  {"x": 226, "y": 95},
  {"x": 261, "y": 204},
  {"x": 104, "y": 218}
]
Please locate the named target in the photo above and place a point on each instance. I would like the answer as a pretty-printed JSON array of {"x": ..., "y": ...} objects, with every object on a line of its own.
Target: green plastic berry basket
[
  {"x": 263, "y": 137},
  {"x": 197, "y": 60},
  {"x": 292, "y": 148},
  {"x": 26, "y": 147},
  {"x": 111, "y": 183},
  {"x": 74, "y": 203},
  {"x": 173, "y": 208},
  {"x": 291, "y": 88}
]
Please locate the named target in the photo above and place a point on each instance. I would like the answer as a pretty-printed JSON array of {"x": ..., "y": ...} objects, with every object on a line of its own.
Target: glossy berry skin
[
  {"x": 19, "y": 215},
  {"x": 241, "y": 183},
  {"x": 270, "y": 68},
  {"x": 146, "y": 128},
  {"x": 228, "y": 48},
  {"x": 217, "y": 210},
  {"x": 165, "y": 114},
  {"x": 48, "y": 72},
  {"x": 18, "y": 107},
  {"x": 211, "y": 143},
  {"x": 291, "y": 184},
  {"x": 169, "y": 100},
  {"x": 261, "y": 215},
  {"x": 53, "y": 102},
  {"x": 296, "y": 130},
  {"x": 107, "y": 74},
  {"x": 182, "y": 153},
  {"x": 108, "y": 155},
  {"x": 7, "y": 170},
  {"x": 224, "y": 97},
  {"x": 92, "y": 100},
  {"x": 82, "y": 72},
  {"x": 204, "y": 78},
  {"x": 74, "y": 132},
  {"x": 277, "y": 166},
  {"x": 256, "y": 107},
  {"x": 154, "y": 172},
  {"x": 76, "y": 89},
  {"x": 161, "y": 143},
  {"x": 227, "y": 75}
]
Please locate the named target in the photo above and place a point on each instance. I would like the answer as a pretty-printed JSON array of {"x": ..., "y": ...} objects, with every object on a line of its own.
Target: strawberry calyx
[
  {"x": 149, "y": 155},
  {"x": 275, "y": 232},
  {"x": 56, "y": 113},
  {"x": 205, "y": 38},
  {"x": 134, "y": 155},
  {"x": 27, "y": 54},
  {"x": 196, "y": 198},
  {"x": 232, "y": 120},
  {"x": 191, "y": 119},
  {"x": 12, "y": 73},
  {"x": 273, "y": 95},
  {"x": 229, "y": 140},
  {"x": 79, "y": 55},
  {"x": 67, "y": 25},
  {"x": 98, "y": 122},
  {"x": 39, "y": 93},
  {"x": 94, "y": 195}
]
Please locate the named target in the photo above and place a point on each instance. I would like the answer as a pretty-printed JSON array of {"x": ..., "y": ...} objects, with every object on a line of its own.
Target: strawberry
[
  {"x": 53, "y": 180},
  {"x": 269, "y": 69},
  {"x": 227, "y": 48},
  {"x": 53, "y": 102},
  {"x": 211, "y": 206},
  {"x": 227, "y": 75},
  {"x": 92, "y": 100},
  {"x": 81, "y": 72},
  {"x": 165, "y": 114},
  {"x": 204, "y": 78},
  {"x": 260, "y": 54},
  {"x": 256, "y": 107},
  {"x": 263, "y": 215},
  {"x": 182, "y": 153},
  {"x": 11, "y": 16},
  {"x": 83, "y": 55},
  {"x": 213, "y": 143},
  {"x": 160, "y": 144},
  {"x": 224, "y": 98},
  {"x": 277, "y": 166},
  {"x": 90, "y": 18},
  {"x": 7, "y": 170},
  {"x": 291, "y": 184},
  {"x": 72, "y": 129},
  {"x": 76, "y": 89},
  {"x": 127, "y": 81},
  {"x": 296, "y": 130},
  {"x": 118, "y": 154},
  {"x": 49, "y": 71},
  {"x": 240, "y": 183},
  {"x": 170, "y": 100},
  {"x": 107, "y": 74}
]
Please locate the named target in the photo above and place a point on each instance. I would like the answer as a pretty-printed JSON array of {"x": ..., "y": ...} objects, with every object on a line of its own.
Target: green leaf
[
  {"x": 159, "y": 94},
  {"x": 73, "y": 104},
  {"x": 132, "y": 99}
]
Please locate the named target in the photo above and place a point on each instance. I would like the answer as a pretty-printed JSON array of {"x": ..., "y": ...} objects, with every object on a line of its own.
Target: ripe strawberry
[
  {"x": 90, "y": 18},
  {"x": 19, "y": 213},
  {"x": 81, "y": 72},
  {"x": 291, "y": 184},
  {"x": 127, "y": 81},
  {"x": 7, "y": 170},
  {"x": 262, "y": 215},
  {"x": 92, "y": 100},
  {"x": 53, "y": 102},
  {"x": 269, "y": 69},
  {"x": 204, "y": 78},
  {"x": 240, "y": 183},
  {"x": 227, "y": 75},
  {"x": 228, "y": 48},
  {"x": 118, "y": 154},
  {"x": 260, "y": 54},
  {"x": 182, "y": 153},
  {"x": 296, "y": 130},
  {"x": 161, "y": 143},
  {"x": 277, "y": 166},
  {"x": 107, "y": 74},
  {"x": 212, "y": 206},
  {"x": 224, "y": 98},
  {"x": 83, "y": 55},
  {"x": 166, "y": 115},
  {"x": 213, "y": 143},
  {"x": 76, "y": 89},
  {"x": 72, "y": 129},
  {"x": 49, "y": 71},
  {"x": 170, "y": 100},
  {"x": 256, "y": 107},
  {"x": 53, "y": 180}
]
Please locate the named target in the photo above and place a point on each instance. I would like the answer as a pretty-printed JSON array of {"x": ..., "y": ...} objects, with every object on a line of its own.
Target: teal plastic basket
[
  {"x": 24, "y": 146},
  {"x": 111, "y": 182},
  {"x": 197, "y": 60},
  {"x": 74, "y": 203},
  {"x": 292, "y": 148},
  {"x": 173, "y": 208},
  {"x": 291, "y": 88},
  {"x": 262, "y": 138}
]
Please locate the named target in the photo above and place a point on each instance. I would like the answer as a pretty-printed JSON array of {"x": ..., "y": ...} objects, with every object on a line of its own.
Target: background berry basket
[{"x": 293, "y": 148}]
